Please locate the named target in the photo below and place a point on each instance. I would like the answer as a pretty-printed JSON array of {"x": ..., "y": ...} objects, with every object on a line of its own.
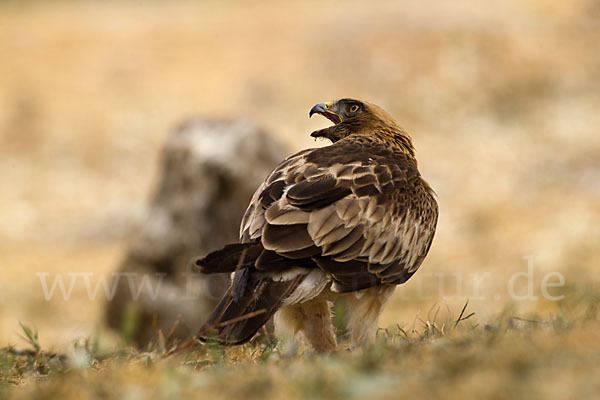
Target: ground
[
  {"x": 507, "y": 358},
  {"x": 501, "y": 99}
]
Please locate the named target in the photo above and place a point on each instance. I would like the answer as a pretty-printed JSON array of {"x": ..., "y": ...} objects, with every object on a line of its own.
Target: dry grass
[
  {"x": 502, "y": 99},
  {"x": 507, "y": 358}
]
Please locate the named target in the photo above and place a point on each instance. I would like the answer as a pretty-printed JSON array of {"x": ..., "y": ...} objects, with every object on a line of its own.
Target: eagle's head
[{"x": 351, "y": 116}]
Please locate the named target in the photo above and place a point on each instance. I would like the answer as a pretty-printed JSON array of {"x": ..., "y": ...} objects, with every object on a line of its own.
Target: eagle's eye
[{"x": 353, "y": 108}]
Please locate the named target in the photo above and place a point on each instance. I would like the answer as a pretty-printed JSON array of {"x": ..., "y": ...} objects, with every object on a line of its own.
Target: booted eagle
[{"x": 352, "y": 219}]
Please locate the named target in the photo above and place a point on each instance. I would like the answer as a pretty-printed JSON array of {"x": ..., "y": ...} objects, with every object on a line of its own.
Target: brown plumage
[{"x": 352, "y": 219}]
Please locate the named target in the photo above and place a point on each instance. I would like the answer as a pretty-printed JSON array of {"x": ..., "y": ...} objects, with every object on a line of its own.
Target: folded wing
[{"x": 363, "y": 215}]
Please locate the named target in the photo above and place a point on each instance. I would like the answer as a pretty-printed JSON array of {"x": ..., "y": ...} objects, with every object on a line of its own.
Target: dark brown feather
[
  {"x": 255, "y": 297},
  {"x": 284, "y": 238},
  {"x": 230, "y": 257},
  {"x": 271, "y": 193},
  {"x": 308, "y": 195}
]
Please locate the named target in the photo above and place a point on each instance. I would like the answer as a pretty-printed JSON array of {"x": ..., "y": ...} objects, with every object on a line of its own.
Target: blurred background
[{"x": 502, "y": 100}]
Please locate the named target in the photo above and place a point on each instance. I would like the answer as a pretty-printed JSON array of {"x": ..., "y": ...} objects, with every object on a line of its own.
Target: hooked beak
[{"x": 325, "y": 110}]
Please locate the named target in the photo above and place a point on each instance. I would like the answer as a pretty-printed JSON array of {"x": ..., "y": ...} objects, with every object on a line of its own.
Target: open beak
[{"x": 325, "y": 110}]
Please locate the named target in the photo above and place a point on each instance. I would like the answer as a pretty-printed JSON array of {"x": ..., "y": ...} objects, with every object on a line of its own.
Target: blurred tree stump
[{"x": 210, "y": 169}]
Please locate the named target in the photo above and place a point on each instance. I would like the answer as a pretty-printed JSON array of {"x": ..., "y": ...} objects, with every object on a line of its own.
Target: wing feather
[
  {"x": 364, "y": 219},
  {"x": 286, "y": 215},
  {"x": 344, "y": 243},
  {"x": 333, "y": 236},
  {"x": 323, "y": 221},
  {"x": 286, "y": 238}
]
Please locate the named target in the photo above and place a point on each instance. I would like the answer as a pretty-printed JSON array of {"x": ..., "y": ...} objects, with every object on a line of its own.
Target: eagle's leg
[
  {"x": 362, "y": 312},
  {"x": 311, "y": 320}
]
